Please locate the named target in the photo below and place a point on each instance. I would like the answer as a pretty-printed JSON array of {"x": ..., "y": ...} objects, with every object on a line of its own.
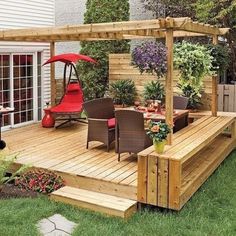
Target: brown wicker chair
[
  {"x": 180, "y": 102},
  {"x": 130, "y": 134},
  {"x": 101, "y": 121}
]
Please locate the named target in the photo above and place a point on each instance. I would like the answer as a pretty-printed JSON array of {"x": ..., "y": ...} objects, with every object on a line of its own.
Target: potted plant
[
  {"x": 150, "y": 57},
  {"x": 154, "y": 90},
  {"x": 158, "y": 132},
  {"x": 193, "y": 61},
  {"x": 123, "y": 92}
]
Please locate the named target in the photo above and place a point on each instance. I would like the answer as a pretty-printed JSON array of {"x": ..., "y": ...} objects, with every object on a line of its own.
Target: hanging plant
[
  {"x": 193, "y": 62},
  {"x": 150, "y": 57}
]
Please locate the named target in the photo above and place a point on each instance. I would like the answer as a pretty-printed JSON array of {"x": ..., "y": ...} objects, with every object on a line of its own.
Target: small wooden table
[{"x": 2, "y": 112}]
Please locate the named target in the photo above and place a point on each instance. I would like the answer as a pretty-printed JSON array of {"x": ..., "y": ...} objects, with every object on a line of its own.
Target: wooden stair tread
[{"x": 101, "y": 202}]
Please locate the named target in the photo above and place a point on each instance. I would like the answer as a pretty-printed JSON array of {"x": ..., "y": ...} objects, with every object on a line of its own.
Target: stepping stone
[{"x": 56, "y": 225}]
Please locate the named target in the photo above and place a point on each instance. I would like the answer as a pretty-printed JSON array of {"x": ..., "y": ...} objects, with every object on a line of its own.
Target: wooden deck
[
  {"x": 63, "y": 151},
  {"x": 166, "y": 180}
]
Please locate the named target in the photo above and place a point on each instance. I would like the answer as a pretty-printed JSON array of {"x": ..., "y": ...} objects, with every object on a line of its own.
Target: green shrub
[
  {"x": 5, "y": 163},
  {"x": 123, "y": 92},
  {"x": 154, "y": 90},
  {"x": 40, "y": 181},
  {"x": 220, "y": 57},
  {"x": 95, "y": 77}
]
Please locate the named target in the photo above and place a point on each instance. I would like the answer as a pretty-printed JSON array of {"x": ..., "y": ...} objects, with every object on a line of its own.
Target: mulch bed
[{"x": 12, "y": 191}]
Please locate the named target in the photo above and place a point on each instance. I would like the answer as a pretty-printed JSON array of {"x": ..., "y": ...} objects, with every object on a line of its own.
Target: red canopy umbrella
[{"x": 69, "y": 58}]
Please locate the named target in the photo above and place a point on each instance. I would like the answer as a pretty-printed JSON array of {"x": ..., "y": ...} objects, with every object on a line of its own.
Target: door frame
[{"x": 33, "y": 52}]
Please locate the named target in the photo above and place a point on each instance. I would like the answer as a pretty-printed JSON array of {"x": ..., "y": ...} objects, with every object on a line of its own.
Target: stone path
[{"x": 56, "y": 225}]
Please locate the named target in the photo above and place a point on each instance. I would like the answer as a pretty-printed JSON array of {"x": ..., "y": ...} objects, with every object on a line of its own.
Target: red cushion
[
  {"x": 111, "y": 123},
  {"x": 73, "y": 87},
  {"x": 67, "y": 108}
]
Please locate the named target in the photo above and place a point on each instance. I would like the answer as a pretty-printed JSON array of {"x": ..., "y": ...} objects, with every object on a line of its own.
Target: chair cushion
[
  {"x": 111, "y": 123},
  {"x": 67, "y": 108}
]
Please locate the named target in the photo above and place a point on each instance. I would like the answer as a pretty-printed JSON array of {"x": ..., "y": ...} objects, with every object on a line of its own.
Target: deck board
[{"x": 64, "y": 150}]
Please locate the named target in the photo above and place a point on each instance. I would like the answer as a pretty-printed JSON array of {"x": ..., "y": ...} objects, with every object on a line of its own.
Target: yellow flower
[{"x": 155, "y": 129}]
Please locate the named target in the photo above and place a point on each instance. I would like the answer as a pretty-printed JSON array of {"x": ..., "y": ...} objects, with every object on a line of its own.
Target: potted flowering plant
[
  {"x": 158, "y": 132},
  {"x": 150, "y": 57}
]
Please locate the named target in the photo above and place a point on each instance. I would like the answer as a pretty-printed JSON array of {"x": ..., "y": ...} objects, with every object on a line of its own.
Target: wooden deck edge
[{"x": 92, "y": 184}]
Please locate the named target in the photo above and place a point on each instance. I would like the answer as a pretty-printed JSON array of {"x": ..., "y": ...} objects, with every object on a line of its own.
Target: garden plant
[
  {"x": 95, "y": 77},
  {"x": 5, "y": 163},
  {"x": 150, "y": 57},
  {"x": 123, "y": 92}
]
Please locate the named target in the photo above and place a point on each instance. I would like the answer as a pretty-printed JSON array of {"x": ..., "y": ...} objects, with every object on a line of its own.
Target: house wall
[{"x": 15, "y": 14}]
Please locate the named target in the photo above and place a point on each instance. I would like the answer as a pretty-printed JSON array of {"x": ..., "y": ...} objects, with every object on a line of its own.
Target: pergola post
[
  {"x": 52, "y": 75},
  {"x": 169, "y": 82},
  {"x": 214, "y": 101}
]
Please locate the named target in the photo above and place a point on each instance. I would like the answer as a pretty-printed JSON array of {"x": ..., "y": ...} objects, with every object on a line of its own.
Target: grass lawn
[{"x": 212, "y": 211}]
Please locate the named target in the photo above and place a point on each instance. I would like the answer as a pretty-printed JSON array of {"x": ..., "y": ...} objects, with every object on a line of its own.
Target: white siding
[
  {"x": 11, "y": 47},
  {"x": 26, "y": 13},
  {"x": 15, "y": 14}
]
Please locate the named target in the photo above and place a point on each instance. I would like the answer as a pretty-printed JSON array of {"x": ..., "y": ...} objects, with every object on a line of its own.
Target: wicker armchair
[
  {"x": 130, "y": 134},
  {"x": 180, "y": 102},
  {"x": 101, "y": 121}
]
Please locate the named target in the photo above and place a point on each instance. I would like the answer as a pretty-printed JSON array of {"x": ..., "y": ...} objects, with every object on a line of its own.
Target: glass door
[{"x": 23, "y": 88}]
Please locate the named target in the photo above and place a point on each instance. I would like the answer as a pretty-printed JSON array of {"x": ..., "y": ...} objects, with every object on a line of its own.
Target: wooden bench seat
[
  {"x": 170, "y": 179},
  {"x": 192, "y": 139}
]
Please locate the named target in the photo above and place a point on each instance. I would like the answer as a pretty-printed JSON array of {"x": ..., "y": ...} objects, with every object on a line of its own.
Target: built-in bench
[{"x": 170, "y": 179}]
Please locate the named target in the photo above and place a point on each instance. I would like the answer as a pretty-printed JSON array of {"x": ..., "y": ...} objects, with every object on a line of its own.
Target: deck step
[{"x": 99, "y": 202}]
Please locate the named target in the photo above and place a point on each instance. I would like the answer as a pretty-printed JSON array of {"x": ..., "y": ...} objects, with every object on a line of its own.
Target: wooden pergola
[{"x": 167, "y": 28}]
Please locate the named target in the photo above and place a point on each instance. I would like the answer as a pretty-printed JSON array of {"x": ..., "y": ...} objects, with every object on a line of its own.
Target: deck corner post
[
  {"x": 142, "y": 179},
  {"x": 175, "y": 175}
]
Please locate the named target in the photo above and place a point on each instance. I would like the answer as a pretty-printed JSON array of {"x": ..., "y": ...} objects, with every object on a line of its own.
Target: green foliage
[
  {"x": 154, "y": 90},
  {"x": 123, "y": 92},
  {"x": 40, "y": 181},
  {"x": 193, "y": 93},
  {"x": 95, "y": 77},
  {"x": 164, "y": 8},
  {"x": 193, "y": 61},
  {"x": 220, "y": 57},
  {"x": 158, "y": 131},
  {"x": 5, "y": 163}
]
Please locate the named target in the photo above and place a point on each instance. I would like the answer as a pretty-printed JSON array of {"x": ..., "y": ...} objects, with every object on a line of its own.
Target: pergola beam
[{"x": 182, "y": 27}]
